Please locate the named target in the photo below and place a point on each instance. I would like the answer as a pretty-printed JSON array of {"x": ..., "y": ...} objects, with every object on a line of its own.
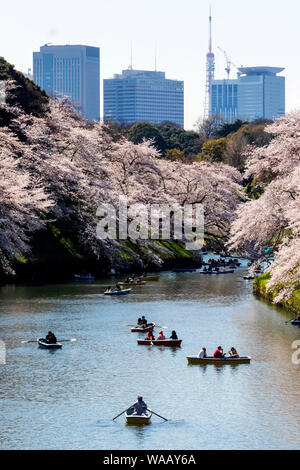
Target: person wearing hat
[
  {"x": 161, "y": 336},
  {"x": 140, "y": 406}
]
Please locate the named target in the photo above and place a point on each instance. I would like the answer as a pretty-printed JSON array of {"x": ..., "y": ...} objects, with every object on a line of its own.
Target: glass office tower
[
  {"x": 224, "y": 99},
  {"x": 261, "y": 93},
  {"x": 71, "y": 71},
  {"x": 139, "y": 95}
]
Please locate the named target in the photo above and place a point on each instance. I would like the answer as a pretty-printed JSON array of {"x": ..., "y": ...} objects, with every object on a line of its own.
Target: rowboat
[
  {"x": 172, "y": 343},
  {"x": 231, "y": 271},
  {"x": 118, "y": 292},
  {"x": 193, "y": 360},
  {"x": 247, "y": 278},
  {"x": 184, "y": 270},
  {"x": 81, "y": 277},
  {"x": 131, "y": 418},
  {"x": 295, "y": 322},
  {"x": 140, "y": 329},
  {"x": 43, "y": 344}
]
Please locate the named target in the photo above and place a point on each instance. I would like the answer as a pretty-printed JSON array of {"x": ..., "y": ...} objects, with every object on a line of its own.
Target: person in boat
[
  {"x": 205, "y": 269},
  {"x": 233, "y": 353},
  {"x": 118, "y": 287},
  {"x": 150, "y": 336},
  {"x": 217, "y": 269},
  {"x": 173, "y": 335},
  {"x": 140, "y": 406},
  {"x": 139, "y": 322},
  {"x": 219, "y": 353},
  {"x": 144, "y": 321},
  {"x": 202, "y": 354},
  {"x": 51, "y": 338},
  {"x": 161, "y": 336}
]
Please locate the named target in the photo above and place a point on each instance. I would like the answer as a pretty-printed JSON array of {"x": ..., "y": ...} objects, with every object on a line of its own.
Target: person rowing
[
  {"x": 150, "y": 336},
  {"x": 51, "y": 338},
  {"x": 219, "y": 353},
  {"x": 173, "y": 335},
  {"x": 139, "y": 406},
  {"x": 202, "y": 354},
  {"x": 233, "y": 353}
]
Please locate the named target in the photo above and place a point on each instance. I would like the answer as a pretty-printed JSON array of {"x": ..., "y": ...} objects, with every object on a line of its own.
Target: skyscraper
[
  {"x": 140, "y": 95},
  {"x": 261, "y": 93},
  {"x": 257, "y": 93},
  {"x": 224, "y": 99},
  {"x": 72, "y": 71}
]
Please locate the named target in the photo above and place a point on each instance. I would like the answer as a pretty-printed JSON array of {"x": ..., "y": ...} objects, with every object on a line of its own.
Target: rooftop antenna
[
  {"x": 130, "y": 66},
  {"x": 155, "y": 56},
  {"x": 210, "y": 69}
]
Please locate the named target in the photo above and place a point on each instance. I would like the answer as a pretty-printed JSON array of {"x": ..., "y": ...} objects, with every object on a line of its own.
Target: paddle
[
  {"x": 72, "y": 340},
  {"x": 157, "y": 414},
  {"x": 122, "y": 412}
]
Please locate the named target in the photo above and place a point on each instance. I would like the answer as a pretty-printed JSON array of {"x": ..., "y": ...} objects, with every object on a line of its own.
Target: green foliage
[
  {"x": 144, "y": 130},
  {"x": 227, "y": 128},
  {"x": 213, "y": 150}
]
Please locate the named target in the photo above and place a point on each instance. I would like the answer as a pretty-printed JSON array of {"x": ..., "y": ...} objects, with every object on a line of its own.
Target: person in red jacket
[{"x": 219, "y": 352}]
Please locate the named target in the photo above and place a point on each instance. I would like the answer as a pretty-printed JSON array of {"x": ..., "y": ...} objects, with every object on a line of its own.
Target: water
[{"x": 66, "y": 399}]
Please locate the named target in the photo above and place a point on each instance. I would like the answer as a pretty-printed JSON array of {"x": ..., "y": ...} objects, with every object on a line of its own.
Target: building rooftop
[{"x": 260, "y": 70}]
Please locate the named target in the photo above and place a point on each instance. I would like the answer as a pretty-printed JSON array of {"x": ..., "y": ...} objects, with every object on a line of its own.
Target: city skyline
[{"x": 269, "y": 38}]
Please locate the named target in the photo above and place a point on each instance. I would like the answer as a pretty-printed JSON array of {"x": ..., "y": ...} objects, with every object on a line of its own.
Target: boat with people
[
  {"x": 132, "y": 418},
  {"x": 143, "y": 329},
  {"x": 230, "y": 271},
  {"x": 44, "y": 344},
  {"x": 194, "y": 360},
  {"x": 117, "y": 291},
  {"x": 172, "y": 343}
]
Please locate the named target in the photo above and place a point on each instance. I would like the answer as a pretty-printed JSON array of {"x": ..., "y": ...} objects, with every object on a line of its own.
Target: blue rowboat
[
  {"x": 231, "y": 271},
  {"x": 118, "y": 292},
  {"x": 44, "y": 345}
]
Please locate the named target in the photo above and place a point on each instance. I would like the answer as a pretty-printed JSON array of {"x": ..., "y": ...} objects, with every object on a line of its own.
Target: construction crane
[{"x": 229, "y": 62}]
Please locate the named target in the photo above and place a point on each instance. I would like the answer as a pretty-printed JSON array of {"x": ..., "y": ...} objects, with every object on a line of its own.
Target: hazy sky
[{"x": 256, "y": 32}]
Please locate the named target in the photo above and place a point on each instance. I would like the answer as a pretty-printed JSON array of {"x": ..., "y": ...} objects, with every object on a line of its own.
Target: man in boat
[
  {"x": 202, "y": 354},
  {"x": 150, "y": 336},
  {"x": 144, "y": 321},
  {"x": 173, "y": 335},
  {"x": 219, "y": 353},
  {"x": 139, "y": 322},
  {"x": 161, "y": 336},
  {"x": 51, "y": 338},
  {"x": 140, "y": 406}
]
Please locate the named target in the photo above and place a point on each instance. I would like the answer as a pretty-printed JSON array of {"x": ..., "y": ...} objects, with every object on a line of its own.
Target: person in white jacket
[{"x": 202, "y": 354}]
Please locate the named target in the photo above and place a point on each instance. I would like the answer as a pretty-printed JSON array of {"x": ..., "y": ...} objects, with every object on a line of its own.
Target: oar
[
  {"x": 122, "y": 412},
  {"x": 157, "y": 414},
  {"x": 72, "y": 340}
]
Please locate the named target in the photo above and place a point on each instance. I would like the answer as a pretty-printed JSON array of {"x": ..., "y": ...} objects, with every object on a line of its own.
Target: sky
[{"x": 256, "y": 32}]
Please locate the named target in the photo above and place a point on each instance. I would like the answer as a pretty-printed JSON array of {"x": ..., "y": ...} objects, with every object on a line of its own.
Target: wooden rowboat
[
  {"x": 131, "y": 418},
  {"x": 172, "y": 343},
  {"x": 118, "y": 292},
  {"x": 140, "y": 329},
  {"x": 43, "y": 344},
  {"x": 193, "y": 360}
]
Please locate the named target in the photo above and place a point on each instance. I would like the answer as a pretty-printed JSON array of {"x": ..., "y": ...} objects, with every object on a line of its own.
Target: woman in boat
[
  {"x": 233, "y": 353},
  {"x": 173, "y": 335},
  {"x": 161, "y": 336},
  {"x": 202, "y": 354},
  {"x": 139, "y": 406},
  {"x": 150, "y": 336},
  {"x": 219, "y": 353}
]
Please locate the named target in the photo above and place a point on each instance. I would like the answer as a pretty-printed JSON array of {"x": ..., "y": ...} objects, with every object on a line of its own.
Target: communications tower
[{"x": 210, "y": 70}]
